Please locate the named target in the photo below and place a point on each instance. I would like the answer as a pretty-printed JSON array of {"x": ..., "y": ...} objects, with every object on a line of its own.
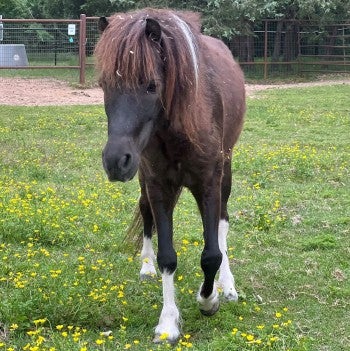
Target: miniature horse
[{"x": 175, "y": 103}]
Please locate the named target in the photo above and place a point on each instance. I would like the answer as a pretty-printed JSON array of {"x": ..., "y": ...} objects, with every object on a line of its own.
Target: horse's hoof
[
  {"x": 211, "y": 311},
  {"x": 231, "y": 296}
]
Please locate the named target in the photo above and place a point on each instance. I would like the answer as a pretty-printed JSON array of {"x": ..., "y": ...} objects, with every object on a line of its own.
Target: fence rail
[{"x": 272, "y": 48}]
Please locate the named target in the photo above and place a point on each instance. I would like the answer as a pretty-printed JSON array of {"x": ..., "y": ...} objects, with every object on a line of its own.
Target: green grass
[
  {"x": 68, "y": 75},
  {"x": 66, "y": 277}
]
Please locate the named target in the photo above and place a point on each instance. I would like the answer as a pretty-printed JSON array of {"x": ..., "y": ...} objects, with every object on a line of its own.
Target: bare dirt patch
[{"x": 44, "y": 92}]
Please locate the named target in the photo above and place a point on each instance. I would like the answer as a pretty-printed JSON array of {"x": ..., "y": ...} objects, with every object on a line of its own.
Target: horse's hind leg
[
  {"x": 148, "y": 257},
  {"x": 226, "y": 280},
  {"x": 207, "y": 195}
]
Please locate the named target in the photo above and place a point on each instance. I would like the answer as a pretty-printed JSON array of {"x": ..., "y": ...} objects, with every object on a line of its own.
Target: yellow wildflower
[
  {"x": 39, "y": 321},
  {"x": 163, "y": 336},
  {"x": 250, "y": 337}
]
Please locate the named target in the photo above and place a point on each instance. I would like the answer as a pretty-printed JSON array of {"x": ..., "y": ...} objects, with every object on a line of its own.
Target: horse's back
[
  {"x": 227, "y": 80},
  {"x": 220, "y": 59}
]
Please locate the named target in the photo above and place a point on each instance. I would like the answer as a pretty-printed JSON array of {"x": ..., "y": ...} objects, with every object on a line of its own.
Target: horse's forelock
[{"x": 125, "y": 55}]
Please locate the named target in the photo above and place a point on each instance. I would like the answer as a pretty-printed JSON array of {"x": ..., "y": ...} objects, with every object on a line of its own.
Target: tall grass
[{"x": 68, "y": 283}]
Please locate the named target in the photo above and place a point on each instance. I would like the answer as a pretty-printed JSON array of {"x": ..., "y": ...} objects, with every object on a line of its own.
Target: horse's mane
[{"x": 125, "y": 56}]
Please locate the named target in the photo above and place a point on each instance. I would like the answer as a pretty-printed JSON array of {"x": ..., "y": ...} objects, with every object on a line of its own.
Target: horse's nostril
[{"x": 125, "y": 162}]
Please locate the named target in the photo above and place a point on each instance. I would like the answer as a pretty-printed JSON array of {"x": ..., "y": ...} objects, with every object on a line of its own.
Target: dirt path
[{"x": 44, "y": 92}]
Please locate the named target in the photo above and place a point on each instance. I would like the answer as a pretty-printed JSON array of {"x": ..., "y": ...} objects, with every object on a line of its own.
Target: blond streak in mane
[{"x": 191, "y": 43}]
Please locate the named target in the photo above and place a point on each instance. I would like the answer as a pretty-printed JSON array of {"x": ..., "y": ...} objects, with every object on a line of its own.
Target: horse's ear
[
  {"x": 102, "y": 24},
  {"x": 153, "y": 30}
]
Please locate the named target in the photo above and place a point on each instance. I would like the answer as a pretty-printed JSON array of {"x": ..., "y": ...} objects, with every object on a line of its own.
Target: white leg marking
[
  {"x": 226, "y": 280},
  {"x": 148, "y": 257},
  {"x": 210, "y": 305},
  {"x": 168, "y": 326}
]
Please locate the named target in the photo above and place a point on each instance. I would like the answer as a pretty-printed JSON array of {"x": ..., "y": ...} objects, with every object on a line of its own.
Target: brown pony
[{"x": 175, "y": 103}]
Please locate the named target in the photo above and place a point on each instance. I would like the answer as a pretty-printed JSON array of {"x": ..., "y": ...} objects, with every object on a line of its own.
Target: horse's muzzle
[{"x": 121, "y": 166}]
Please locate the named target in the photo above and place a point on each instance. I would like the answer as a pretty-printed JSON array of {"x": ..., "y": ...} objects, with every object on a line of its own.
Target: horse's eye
[{"x": 151, "y": 88}]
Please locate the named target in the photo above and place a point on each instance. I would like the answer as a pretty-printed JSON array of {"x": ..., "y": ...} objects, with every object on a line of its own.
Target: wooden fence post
[
  {"x": 82, "y": 49},
  {"x": 265, "y": 50}
]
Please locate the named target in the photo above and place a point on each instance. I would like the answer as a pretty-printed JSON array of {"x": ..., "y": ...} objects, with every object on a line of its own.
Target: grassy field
[{"x": 68, "y": 283}]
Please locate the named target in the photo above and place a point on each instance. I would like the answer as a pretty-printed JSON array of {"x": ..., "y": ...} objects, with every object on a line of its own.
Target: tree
[
  {"x": 222, "y": 18},
  {"x": 107, "y": 7},
  {"x": 13, "y": 8},
  {"x": 318, "y": 11},
  {"x": 62, "y": 8}
]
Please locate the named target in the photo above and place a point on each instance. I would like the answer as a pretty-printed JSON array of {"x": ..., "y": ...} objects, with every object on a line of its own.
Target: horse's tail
[{"x": 134, "y": 233}]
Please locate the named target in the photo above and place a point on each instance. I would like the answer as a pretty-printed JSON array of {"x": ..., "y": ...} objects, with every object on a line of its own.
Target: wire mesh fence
[
  {"x": 270, "y": 49},
  {"x": 286, "y": 48},
  {"x": 326, "y": 48},
  {"x": 46, "y": 43}
]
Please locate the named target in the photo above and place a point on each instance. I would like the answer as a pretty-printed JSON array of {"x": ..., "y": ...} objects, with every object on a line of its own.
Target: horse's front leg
[
  {"x": 208, "y": 196},
  {"x": 162, "y": 202},
  {"x": 168, "y": 325}
]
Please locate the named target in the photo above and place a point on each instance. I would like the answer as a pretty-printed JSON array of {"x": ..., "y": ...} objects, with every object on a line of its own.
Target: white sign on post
[{"x": 71, "y": 29}]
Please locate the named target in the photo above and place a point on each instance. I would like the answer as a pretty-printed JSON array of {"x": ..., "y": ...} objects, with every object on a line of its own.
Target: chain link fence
[{"x": 271, "y": 48}]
